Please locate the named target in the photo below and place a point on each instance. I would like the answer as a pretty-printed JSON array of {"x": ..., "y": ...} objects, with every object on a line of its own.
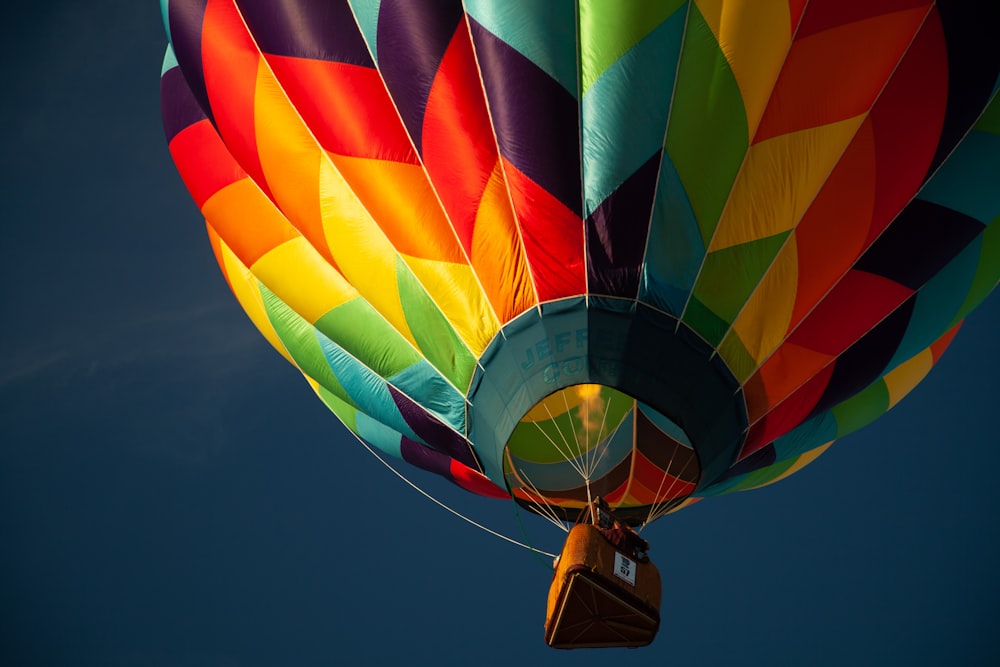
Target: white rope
[
  {"x": 441, "y": 504},
  {"x": 542, "y": 503}
]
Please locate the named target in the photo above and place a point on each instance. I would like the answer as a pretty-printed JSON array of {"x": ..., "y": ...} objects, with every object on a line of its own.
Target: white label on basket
[{"x": 625, "y": 569}]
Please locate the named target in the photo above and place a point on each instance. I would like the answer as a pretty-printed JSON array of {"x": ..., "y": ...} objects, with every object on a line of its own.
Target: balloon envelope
[{"x": 650, "y": 251}]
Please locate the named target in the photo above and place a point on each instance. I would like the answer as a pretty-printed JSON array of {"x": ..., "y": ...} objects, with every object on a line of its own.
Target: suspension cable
[{"x": 441, "y": 504}]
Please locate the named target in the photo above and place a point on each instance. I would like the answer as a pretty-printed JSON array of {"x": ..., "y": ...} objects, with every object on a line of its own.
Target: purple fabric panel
[
  {"x": 617, "y": 231},
  {"x": 432, "y": 431},
  {"x": 536, "y": 120},
  {"x": 186, "y": 18},
  {"x": 425, "y": 458},
  {"x": 178, "y": 107},
  {"x": 412, "y": 39},
  {"x": 316, "y": 29}
]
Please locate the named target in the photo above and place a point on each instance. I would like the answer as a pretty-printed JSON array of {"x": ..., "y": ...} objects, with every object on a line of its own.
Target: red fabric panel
[
  {"x": 795, "y": 9},
  {"x": 835, "y": 74},
  {"x": 908, "y": 118},
  {"x": 346, "y": 107},
  {"x": 553, "y": 238},
  {"x": 230, "y": 62},
  {"x": 788, "y": 414},
  {"x": 825, "y": 14},
  {"x": 858, "y": 302},
  {"x": 203, "y": 161},
  {"x": 832, "y": 233},
  {"x": 942, "y": 343},
  {"x": 459, "y": 149},
  {"x": 474, "y": 481},
  {"x": 662, "y": 485},
  {"x": 789, "y": 368}
]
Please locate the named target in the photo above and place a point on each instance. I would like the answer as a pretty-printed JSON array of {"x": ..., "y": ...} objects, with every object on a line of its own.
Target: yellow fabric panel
[
  {"x": 244, "y": 286},
  {"x": 497, "y": 253},
  {"x": 803, "y": 460},
  {"x": 764, "y": 320},
  {"x": 408, "y": 212},
  {"x": 779, "y": 180},
  {"x": 362, "y": 252},
  {"x": 289, "y": 156},
  {"x": 455, "y": 290},
  {"x": 755, "y": 36},
  {"x": 301, "y": 278},
  {"x": 901, "y": 380},
  {"x": 553, "y": 405}
]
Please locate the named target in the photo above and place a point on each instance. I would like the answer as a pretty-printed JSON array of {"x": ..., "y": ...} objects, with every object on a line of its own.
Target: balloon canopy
[{"x": 652, "y": 251}]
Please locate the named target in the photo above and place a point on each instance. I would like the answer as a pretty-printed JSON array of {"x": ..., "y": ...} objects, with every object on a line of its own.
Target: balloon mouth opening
[{"x": 587, "y": 440}]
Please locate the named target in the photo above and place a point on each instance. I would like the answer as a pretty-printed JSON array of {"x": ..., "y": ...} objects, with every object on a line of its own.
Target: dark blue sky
[{"x": 172, "y": 494}]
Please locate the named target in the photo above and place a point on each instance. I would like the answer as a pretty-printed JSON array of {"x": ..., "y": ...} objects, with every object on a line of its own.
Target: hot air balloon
[{"x": 570, "y": 250}]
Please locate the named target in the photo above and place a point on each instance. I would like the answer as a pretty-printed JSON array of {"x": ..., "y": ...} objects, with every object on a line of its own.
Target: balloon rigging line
[
  {"x": 607, "y": 441},
  {"x": 544, "y": 507},
  {"x": 565, "y": 454},
  {"x": 441, "y": 504},
  {"x": 667, "y": 507},
  {"x": 580, "y": 454},
  {"x": 661, "y": 508},
  {"x": 656, "y": 496}
]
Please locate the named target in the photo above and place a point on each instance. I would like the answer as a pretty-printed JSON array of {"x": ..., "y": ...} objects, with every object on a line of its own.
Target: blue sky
[{"x": 172, "y": 494}]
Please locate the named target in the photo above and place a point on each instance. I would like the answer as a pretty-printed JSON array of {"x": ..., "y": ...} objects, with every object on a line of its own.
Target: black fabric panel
[
  {"x": 617, "y": 232},
  {"x": 412, "y": 40},
  {"x": 186, "y": 18},
  {"x": 919, "y": 243},
  {"x": 178, "y": 107},
  {"x": 536, "y": 120},
  {"x": 864, "y": 362},
  {"x": 317, "y": 29},
  {"x": 760, "y": 459},
  {"x": 970, "y": 32}
]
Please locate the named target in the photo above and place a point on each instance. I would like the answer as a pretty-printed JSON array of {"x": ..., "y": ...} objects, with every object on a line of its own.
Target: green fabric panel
[
  {"x": 347, "y": 414},
  {"x": 807, "y": 436},
  {"x": 706, "y": 323},
  {"x": 675, "y": 249},
  {"x": 739, "y": 361},
  {"x": 708, "y": 134},
  {"x": 437, "y": 341},
  {"x": 169, "y": 60},
  {"x": 367, "y": 390},
  {"x": 987, "y": 271},
  {"x": 528, "y": 443},
  {"x": 862, "y": 408},
  {"x": 608, "y": 30},
  {"x": 164, "y": 15},
  {"x": 362, "y": 332},
  {"x": 967, "y": 180},
  {"x": 990, "y": 120},
  {"x": 937, "y": 303},
  {"x": 762, "y": 476},
  {"x": 422, "y": 383},
  {"x": 543, "y": 32},
  {"x": 380, "y": 435},
  {"x": 299, "y": 339},
  {"x": 366, "y": 13},
  {"x": 624, "y": 113},
  {"x": 729, "y": 276}
]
